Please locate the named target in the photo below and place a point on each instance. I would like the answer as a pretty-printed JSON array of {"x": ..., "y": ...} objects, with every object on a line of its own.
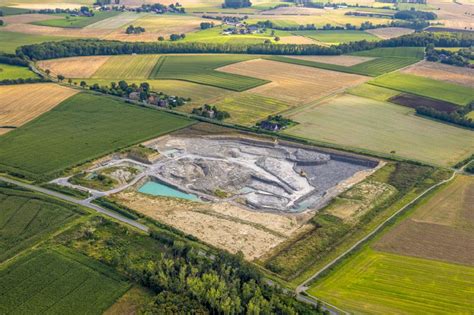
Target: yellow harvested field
[
  {"x": 343, "y": 60},
  {"x": 47, "y": 5},
  {"x": 127, "y": 67},
  {"x": 114, "y": 22},
  {"x": 297, "y": 40},
  {"x": 223, "y": 225},
  {"x": 75, "y": 67},
  {"x": 158, "y": 25},
  {"x": 22, "y": 103},
  {"x": 390, "y": 32},
  {"x": 442, "y": 72},
  {"x": 294, "y": 83}
]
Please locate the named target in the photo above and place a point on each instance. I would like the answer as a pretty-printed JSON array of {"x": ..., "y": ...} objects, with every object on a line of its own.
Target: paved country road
[{"x": 84, "y": 203}]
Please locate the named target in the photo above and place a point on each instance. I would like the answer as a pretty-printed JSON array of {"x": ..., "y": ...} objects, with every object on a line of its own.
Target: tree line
[
  {"x": 457, "y": 117},
  {"x": 89, "y": 47}
]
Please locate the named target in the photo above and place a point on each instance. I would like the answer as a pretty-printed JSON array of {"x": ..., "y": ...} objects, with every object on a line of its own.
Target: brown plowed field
[
  {"x": 343, "y": 60},
  {"x": 293, "y": 83},
  {"x": 442, "y": 72},
  {"x": 26, "y": 18},
  {"x": 415, "y": 101},
  {"x": 441, "y": 229},
  {"x": 75, "y": 67},
  {"x": 22, "y": 103}
]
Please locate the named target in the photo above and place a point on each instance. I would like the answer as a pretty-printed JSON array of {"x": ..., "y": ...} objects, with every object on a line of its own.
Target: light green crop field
[
  {"x": 422, "y": 86},
  {"x": 15, "y": 72},
  {"x": 53, "y": 282},
  {"x": 81, "y": 128},
  {"x": 26, "y": 217},
  {"x": 214, "y": 35},
  {"x": 247, "y": 109},
  {"x": 381, "y": 283},
  {"x": 10, "y": 41},
  {"x": 68, "y": 21},
  {"x": 337, "y": 36},
  {"x": 200, "y": 69},
  {"x": 12, "y": 11},
  {"x": 127, "y": 67},
  {"x": 372, "y": 91},
  {"x": 363, "y": 123}
]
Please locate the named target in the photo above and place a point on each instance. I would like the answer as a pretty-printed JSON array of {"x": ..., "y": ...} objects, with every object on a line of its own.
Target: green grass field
[
  {"x": 422, "y": 86},
  {"x": 372, "y": 91},
  {"x": 385, "y": 60},
  {"x": 200, "y": 69},
  {"x": 358, "y": 122},
  {"x": 381, "y": 283},
  {"x": 11, "y": 40},
  {"x": 15, "y": 72},
  {"x": 247, "y": 109},
  {"x": 26, "y": 217},
  {"x": 81, "y": 128},
  {"x": 54, "y": 282},
  {"x": 13, "y": 11},
  {"x": 67, "y": 21},
  {"x": 337, "y": 37},
  {"x": 127, "y": 67}
]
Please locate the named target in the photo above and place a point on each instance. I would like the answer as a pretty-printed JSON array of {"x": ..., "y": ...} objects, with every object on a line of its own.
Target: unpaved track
[{"x": 85, "y": 203}]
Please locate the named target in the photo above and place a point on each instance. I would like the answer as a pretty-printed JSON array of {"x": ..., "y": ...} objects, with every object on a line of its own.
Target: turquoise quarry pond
[{"x": 159, "y": 189}]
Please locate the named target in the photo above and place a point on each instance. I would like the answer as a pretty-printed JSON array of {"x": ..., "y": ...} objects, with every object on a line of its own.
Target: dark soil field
[{"x": 414, "y": 101}]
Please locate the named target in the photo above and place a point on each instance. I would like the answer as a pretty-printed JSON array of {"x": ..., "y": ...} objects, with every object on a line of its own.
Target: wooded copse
[{"x": 88, "y": 47}]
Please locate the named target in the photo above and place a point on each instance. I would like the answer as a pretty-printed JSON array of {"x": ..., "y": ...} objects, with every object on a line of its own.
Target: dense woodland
[{"x": 88, "y": 47}]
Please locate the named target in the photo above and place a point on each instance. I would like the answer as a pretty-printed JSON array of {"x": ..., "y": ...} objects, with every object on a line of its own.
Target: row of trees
[
  {"x": 460, "y": 58},
  {"x": 235, "y": 4},
  {"x": 22, "y": 81},
  {"x": 88, "y": 47},
  {"x": 415, "y": 15},
  {"x": 134, "y": 29},
  {"x": 453, "y": 118},
  {"x": 14, "y": 60}
]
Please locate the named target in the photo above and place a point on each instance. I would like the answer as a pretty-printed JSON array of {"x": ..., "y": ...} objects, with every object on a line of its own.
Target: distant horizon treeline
[{"x": 89, "y": 47}]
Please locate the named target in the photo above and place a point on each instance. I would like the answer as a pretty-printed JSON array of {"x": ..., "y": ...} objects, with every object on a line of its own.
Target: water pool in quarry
[{"x": 158, "y": 189}]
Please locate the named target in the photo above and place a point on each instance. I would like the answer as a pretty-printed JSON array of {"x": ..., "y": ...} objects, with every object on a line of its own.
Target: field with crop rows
[
  {"x": 127, "y": 67},
  {"x": 386, "y": 284},
  {"x": 382, "y": 127},
  {"x": 81, "y": 128},
  {"x": 247, "y": 108},
  {"x": 200, "y": 69},
  {"x": 337, "y": 37},
  {"x": 439, "y": 90},
  {"x": 15, "y": 72},
  {"x": 393, "y": 52},
  {"x": 68, "y": 21},
  {"x": 54, "y": 282},
  {"x": 26, "y": 217}
]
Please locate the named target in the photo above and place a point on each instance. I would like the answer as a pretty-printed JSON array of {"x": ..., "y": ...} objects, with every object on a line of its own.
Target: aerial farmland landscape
[{"x": 237, "y": 157}]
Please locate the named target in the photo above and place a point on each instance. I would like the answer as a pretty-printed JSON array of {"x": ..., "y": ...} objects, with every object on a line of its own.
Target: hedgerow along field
[
  {"x": 386, "y": 284},
  {"x": 58, "y": 281},
  {"x": 82, "y": 128},
  {"x": 444, "y": 91},
  {"x": 385, "y": 60},
  {"x": 67, "y": 21},
  {"x": 15, "y": 72},
  {"x": 26, "y": 217},
  {"x": 365, "y": 124},
  {"x": 200, "y": 69}
]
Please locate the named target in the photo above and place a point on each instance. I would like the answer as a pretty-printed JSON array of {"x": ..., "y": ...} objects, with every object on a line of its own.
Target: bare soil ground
[
  {"x": 415, "y": 101},
  {"x": 439, "y": 71},
  {"x": 390, "y": 32},
  {"x": 22, "y": 103},
  {"x": 223, "y": 225},
  {"x": 441, "y": 229},
  {"x": 343, "y": 60},
  {"x": 293, "y": 83},
  {"x": 158, "y": 25},
  {"x": 75, "y": 67}
]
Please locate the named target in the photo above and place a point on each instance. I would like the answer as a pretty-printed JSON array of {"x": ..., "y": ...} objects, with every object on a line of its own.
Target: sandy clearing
[
  {"x": 223, "y": 225},
  {"x": 26, "y": 18},
  {"x": 75, "y": 67},
  {"x": 390, "y": 32},
  {"x": 439, "y": 71},
  {"x": 343, "y": 60},
  {"x": 22, "y": 103},
  {"x": 293, "y": 83}
]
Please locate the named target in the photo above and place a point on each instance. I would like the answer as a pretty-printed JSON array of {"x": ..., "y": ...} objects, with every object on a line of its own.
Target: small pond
[{"x": 160, "y": 189}]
